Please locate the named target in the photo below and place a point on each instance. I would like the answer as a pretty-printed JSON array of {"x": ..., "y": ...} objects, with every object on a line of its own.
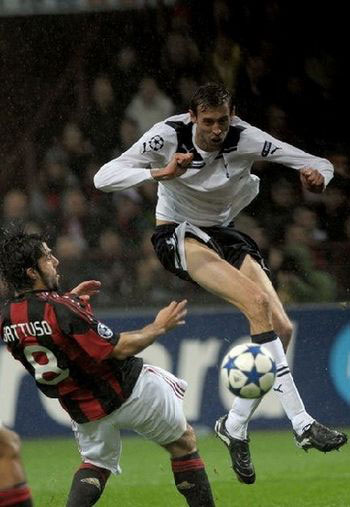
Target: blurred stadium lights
[{"x": 30, "y": 7}]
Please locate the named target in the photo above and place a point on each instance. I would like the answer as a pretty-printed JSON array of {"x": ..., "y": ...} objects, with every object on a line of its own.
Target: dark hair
[
  {"x": 18, "y": 252},
  {"x": 211, "y": 95}
]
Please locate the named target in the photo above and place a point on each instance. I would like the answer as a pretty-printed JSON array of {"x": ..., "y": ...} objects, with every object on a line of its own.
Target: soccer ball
[{"x": 248, "y": 370}]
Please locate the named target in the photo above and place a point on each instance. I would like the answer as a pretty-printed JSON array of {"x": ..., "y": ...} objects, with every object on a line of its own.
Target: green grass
[{"x": 286, "y": 476}]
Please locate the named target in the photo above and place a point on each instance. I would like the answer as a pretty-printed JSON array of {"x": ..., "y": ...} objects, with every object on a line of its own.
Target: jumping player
[{"x": 202, "y": 160}]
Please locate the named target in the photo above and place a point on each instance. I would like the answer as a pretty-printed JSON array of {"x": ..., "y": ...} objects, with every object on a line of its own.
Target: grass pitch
[{"x": 286, "y": 476}]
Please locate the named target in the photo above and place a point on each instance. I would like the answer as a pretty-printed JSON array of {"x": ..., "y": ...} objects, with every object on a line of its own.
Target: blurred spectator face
[
  {"x": 255, "y": 67},
  {"x": 305, "y": 217},
  {"x": 148, "y": 89},
  {"x": 102, "y": 90},
  {"x": 296, "y": 235},
  {"x": 128, "y": 132},
  {"x": 67, "y": 249},
  {"x": 223, "y": 47},
  {"x": 75, "y": 204},
  {"x": 341, "y": 164},
  {"x": 334, "y": 198},
  {"x": 177, "y": 48},
  {"x": 276, "y": 120},
  {"x": 110, "y": 244},
  {"x": 282, "y": 194},
  {"x": 15, "y": 205},
  {"x": 186, "y": 87},
  {"x": 72, "y": 137},
  {"x": 127, "y": 58}
]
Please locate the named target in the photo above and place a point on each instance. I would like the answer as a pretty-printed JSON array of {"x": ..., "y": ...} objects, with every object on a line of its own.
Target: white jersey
[{"x": 217, "y": 186}]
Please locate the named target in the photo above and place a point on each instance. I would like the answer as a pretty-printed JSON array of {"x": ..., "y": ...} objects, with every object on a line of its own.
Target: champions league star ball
[{"x": 248, "y": 370}]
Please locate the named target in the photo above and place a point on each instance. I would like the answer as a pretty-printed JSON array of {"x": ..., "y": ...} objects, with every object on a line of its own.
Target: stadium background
[{"x": 81, "y": 80}]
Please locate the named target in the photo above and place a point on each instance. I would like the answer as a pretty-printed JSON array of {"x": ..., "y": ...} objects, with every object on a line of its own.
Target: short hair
[
  {"x": 18, "y": 252},
  {"x": 211, "y": 95}
]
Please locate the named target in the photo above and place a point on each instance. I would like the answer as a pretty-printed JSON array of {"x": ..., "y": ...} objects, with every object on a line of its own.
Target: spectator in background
[
  {"x": 101, "y": 120},
  {"x": 299, "y": 281},
  {"x": 129, "y": 132},
  {"x": 180, "y": 57},
  {"x": 125, "y": 78},
  {"x": 16, "y": 208},
  {"x": 54, "y": 179},
  {"x": 113, "y": 268},
  {"x": 149, "y": 105},
  {"x": 278, "y": 212},
  {"x": 335, "y": 209},
  {"x": 226, "y": 60},
  {"x": 74, "y": 263},
  {"x": 185, "y": 88},
  {"x": 71, "y": 149},
  {"x": 78, "y": 220}
]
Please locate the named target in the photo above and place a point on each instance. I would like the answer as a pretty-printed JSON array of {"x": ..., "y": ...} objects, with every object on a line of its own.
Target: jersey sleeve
[
  {"x": 133, "y": 167},
  {"x": 261, "y": 146},
  {"x": 78, "y": 323}
]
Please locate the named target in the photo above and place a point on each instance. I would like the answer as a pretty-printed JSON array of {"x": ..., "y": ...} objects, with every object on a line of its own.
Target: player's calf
[
  {"x": 191, "y": 480},
  {"x": 87, "y": 486}
]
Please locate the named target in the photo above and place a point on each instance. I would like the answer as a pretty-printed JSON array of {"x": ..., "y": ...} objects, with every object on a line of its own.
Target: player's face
[
  {"x": 212, "y": 126},
  {"x": 47, "y": 269}
]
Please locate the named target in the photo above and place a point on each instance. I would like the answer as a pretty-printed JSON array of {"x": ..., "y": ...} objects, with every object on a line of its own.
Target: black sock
[
  {"x": 262, "y": 338},
  {"x": 192, "y": 481},
  {"x": 17, "y": 496},
  {"x": 87, "y": 486}
]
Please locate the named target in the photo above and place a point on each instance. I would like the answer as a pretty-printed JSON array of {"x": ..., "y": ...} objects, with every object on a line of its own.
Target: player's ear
[
  {"x": 32, "y": 274},
  {"x": 193, "y": 116}
]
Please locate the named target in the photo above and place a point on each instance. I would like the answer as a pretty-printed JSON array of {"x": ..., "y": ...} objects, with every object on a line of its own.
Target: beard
[{"x": 50, "y": 282}]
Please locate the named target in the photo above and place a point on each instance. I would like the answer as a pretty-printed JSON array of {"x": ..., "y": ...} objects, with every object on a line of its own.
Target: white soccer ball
[{"x": 248, "y": 370}]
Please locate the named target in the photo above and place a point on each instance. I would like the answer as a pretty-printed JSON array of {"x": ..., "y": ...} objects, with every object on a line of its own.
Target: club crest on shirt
[
  {"x": 104, "y": 331},
  {"x": 156, "y": 143}
]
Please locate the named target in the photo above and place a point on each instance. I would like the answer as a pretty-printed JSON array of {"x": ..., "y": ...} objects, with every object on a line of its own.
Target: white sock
[
  {"x": 240, "y": 415},
  {"x": 286, "y": 390}
]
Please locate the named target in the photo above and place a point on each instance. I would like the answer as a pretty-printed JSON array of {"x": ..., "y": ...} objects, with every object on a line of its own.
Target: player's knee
[
  {"x": 186, "y": 444},
  {"x": 9, "y": 443}
]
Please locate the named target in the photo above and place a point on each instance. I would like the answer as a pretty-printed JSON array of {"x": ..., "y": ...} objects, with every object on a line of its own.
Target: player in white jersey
[{"x": 202, "y": 161}]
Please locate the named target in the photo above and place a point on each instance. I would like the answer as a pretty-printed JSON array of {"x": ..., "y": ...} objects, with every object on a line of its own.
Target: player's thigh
[
  {"x": 217, "y": 276},
  {"x": 156, "y": 408},
  {"x": 99, "y": 443},
  {"x": 281, "y": 322}
]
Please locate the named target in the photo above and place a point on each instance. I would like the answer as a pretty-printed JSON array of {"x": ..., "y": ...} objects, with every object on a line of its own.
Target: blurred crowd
[{"x": 291, "y": 94}]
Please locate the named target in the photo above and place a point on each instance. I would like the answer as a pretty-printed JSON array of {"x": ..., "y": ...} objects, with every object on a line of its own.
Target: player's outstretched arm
[
  {"x": 133, "y": 342},
  {"x": 176, "y": 167}
]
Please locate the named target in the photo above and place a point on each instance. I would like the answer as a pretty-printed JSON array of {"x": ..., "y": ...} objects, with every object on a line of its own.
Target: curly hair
[
  {"x": 18, "y": 252},
  {"x": 211, "y": 95}
]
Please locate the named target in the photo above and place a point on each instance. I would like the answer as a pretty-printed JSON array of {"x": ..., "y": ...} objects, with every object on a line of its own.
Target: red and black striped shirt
[{"x": 66, "y": 350}]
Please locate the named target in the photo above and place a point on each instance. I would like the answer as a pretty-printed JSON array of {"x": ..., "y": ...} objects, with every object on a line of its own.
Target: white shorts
[{"x": 154, "y": 410}]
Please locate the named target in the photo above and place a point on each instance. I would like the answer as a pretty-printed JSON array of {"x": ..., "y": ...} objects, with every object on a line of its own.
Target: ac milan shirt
[{"x": 66, "y": 350}]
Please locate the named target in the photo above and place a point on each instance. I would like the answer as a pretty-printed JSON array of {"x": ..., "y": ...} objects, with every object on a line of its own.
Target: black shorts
[{"x": 230, "y": 244}]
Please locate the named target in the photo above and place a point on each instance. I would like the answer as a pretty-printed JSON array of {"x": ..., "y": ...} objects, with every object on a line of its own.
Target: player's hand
[
  {"x": 87, "y": 289},
  {"x": 312, "y": 180},
  {"x": 176, "y": 167},
  {"x": 171, "y": 316}
]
